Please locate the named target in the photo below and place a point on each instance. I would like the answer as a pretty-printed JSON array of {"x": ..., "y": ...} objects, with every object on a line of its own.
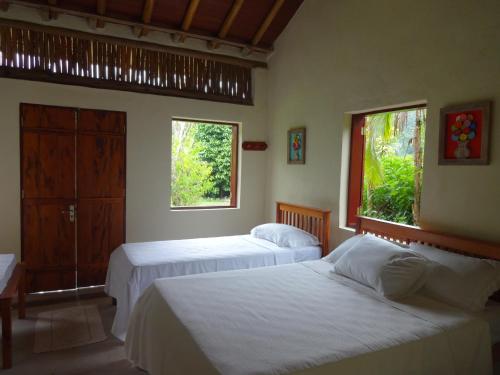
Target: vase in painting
[{"x": 462, "y": 151}]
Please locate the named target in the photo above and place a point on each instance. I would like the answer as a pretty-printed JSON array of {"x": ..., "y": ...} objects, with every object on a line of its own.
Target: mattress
[
  {"x": 7, "y": 265},
  {"x": 133, "y": 267},
  {"x": 298, "y": 318}
]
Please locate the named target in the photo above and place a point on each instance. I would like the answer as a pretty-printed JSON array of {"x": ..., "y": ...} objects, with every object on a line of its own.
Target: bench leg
[
  {"x": 6, "y": 333},
  {"x": 21, "y": 295}
]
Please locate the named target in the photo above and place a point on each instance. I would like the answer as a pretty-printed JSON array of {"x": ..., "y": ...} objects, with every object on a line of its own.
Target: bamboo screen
[{"x": 77, "y": 58}]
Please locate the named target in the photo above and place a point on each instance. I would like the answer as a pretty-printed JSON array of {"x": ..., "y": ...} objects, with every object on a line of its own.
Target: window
[
  {"x": 386, "y": 165},
  {"x": 204, "y": 164}
]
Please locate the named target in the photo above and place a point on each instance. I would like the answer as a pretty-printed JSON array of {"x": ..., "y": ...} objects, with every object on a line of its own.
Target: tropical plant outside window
[
  {"x": 393, "y": 165},
  {"x": 204, "y": 159}
]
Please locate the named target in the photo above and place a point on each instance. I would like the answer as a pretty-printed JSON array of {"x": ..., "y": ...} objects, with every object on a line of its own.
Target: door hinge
[
  {"x": 358, "y": 211},
  {"x": 22, "y": 194},
  {"x": 362, "y": 130}
]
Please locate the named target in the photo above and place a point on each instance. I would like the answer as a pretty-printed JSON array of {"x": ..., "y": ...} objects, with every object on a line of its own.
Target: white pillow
[
  {"x": 459, "y": 280},
  {"x": 284, "y": 235},
  {"x": 388, "y": 268},
  {"x": 336, "y": 253}
]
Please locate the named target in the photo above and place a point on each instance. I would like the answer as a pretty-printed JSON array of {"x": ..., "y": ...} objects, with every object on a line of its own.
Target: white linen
[
  {"x": 134, "y": 266},
  {"x": 298, "y": 318},
  {"x": 389, "y": 269},
  {"x": 7, "y": 265},
  {"x": 340, "y": 250},
  {"x": 459, "y": 280},
  {"x": 284, "y": 235}
]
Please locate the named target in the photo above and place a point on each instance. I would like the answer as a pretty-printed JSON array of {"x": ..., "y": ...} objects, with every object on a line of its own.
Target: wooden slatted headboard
[
  {"x": 406, "y": 234},
  {"x": 312, "y": 220}
]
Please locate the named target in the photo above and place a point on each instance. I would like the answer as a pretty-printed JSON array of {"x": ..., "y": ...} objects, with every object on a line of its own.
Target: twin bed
[
  {"x": 133, "y": 267},
  {"x": 302, "y": 318}
]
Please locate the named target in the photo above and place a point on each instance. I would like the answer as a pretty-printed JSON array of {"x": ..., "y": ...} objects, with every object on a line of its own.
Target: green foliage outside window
[
  {"x": 393, "y": 166},
  {"x": 393, "y": 199},
  {"x": 201, "y": 164},
  {"x": 216, "y": 141}
]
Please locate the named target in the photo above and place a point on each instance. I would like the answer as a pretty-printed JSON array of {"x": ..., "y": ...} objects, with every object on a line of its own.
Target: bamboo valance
[{"x": 50, "y": 54}]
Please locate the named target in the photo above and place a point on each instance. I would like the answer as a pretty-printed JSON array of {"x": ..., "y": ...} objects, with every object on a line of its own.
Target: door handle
[{"x": 71, "y": 211}]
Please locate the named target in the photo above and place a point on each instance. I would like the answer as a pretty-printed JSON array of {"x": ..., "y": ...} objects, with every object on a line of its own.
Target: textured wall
[
  {"x": 148, "y": 158},
  {"x": 343, "y": 56}
]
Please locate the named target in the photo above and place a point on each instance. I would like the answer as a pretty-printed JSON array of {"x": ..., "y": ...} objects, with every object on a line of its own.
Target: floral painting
[
  {"x": 464, "y": 134},
  {"x": 296, "y": 146}
]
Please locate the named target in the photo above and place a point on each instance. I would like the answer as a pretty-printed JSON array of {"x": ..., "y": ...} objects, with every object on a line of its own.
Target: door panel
[
  {"x": 102, "y": 221},
  {"x": 48, "y": 164},
  {"x": 101, "y": 192},
  {"x": 101, "y": 121},
  {"x": 48, "y": 245},
  {"x": 101, "y": 166},
  {"x": 49, "y": 118},
  {"x": 48, "y": 181}
]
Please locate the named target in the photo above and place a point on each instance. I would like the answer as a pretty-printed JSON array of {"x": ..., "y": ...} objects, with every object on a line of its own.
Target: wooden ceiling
[{"x": 252, "y": 25}]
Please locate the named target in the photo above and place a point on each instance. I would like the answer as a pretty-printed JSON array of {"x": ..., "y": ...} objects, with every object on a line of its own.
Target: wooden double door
[{"x": 73, "y": 194}]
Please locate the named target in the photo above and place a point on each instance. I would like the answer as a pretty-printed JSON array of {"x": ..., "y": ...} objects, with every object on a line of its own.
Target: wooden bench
[{"x": 15, "y": 284}]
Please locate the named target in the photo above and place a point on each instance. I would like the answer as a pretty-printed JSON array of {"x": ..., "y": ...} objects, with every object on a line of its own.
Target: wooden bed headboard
[
  {"x": 407, "y": 233},
  {"x": 312, "y": 220}
]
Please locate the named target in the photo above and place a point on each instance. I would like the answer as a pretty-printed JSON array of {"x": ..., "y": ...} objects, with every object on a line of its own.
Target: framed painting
[
  {"x": 296, "y": 150},
  {"x": 464, "y": 134}
]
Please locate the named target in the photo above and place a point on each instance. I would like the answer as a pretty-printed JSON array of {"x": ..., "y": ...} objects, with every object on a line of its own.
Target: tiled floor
[{"x": 106, "y": 357}]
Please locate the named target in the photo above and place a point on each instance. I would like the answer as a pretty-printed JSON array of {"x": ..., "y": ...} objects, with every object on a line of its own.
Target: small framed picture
[
  {"x": 296, "y": 146},
  {"x": 464, "y": 134}
]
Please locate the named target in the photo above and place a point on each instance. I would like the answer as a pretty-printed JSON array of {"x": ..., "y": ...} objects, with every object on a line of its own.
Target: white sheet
[
  {"x": 7, "y": 265},
  {"x": 298, "y": 318},
  {"x": 133, "y": 267}
]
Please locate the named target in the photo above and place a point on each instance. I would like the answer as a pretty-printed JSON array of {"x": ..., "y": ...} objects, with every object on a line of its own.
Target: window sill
[
  {"x": 347, "y": 229},
  {"x": 203, "y": 208}
]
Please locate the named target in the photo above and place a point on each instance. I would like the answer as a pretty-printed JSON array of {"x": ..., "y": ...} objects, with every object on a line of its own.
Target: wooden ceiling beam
[
  {"x": 52, "y": 13},
  {"x": 147, "y": 13},
  {"x": 4, "y": 5},
  {"x": 188, "y": 19},
  {"x": 101, "y": 10},
  {"x": 123, "y": 22},
  {"x": 228, "y": 22},
  {"x": 186, "y": 22},
  {"x": 267, "y": 22}
]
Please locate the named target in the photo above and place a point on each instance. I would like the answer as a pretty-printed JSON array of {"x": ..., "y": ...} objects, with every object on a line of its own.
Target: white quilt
[
  {"x": 7, "y": 265},
  {"x": 298, "y": 318},
  {"x": 134, "y": 266}
]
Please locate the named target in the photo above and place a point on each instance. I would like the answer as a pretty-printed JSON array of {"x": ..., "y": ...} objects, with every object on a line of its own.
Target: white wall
[
  {"x": 341, "y": 56},
  {"x": 148, "y": 158}
]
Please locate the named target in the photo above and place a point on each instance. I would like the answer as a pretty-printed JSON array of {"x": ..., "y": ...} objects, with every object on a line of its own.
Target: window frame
[
  {"x": 357, "y": 161},
  {"x": 235, "y": 146}
]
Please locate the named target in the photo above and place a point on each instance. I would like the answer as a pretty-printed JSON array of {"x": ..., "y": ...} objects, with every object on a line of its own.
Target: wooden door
[
  {"x": 73, "y": 194},
  {"x": 48, "y": 192},
  {"x": 101, "y": 192}
]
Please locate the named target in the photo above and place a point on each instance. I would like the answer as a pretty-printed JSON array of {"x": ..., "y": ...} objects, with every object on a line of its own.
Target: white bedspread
[
  {"x": 7, "y": 265},
  {"x": 298, "y": 318},
  {"x": 133, "y": 267}
]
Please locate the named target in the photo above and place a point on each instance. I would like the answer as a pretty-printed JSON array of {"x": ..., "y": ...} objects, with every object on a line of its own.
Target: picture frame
[
  {"x": 464, "y": 134},
  {"x": 296, "y": 149}
]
